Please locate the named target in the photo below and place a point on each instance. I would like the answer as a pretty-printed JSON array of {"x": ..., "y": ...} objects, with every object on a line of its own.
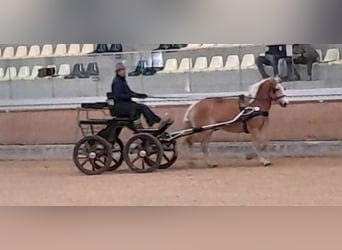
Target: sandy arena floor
[{"x": 290, "y": 181}]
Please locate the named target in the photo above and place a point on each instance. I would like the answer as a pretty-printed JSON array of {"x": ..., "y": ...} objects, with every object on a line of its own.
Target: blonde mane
[{"x": 254, "y": 89}]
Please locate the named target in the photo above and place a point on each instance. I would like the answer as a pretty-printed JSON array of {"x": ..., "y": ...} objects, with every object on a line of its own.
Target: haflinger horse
[{"x": 216, "y": 110}]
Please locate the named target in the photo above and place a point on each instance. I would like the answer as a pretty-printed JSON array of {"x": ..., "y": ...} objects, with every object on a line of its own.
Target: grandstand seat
[
  {"x": 78, "y": 71},
  {"x": 34, "y": 51},
  {"x": 24, "y": 73},
  {"x": 233, "y": 63},
  {"x": 0, "y": 52},
  {"x": 34, "y": 73},
  {"x": 216, "y": 63},
  {"x": 11, "y": 74},
  {"x": 185, "y": 65},
  {"x": 21, "y": 52},
  {"x": 64, "y": 70},
  {"x": 319, "y": 51},
  {"x": 47, "y": 50},
  {"x": 92, "y": 69},
  {"x": 332, "y": 55},
  {"x": 8, "y": 52},
  {"x": 248, "y": 62},
  {"x": 170, "y": 66},
  {"x": 116, "y": 48},
  {"x": 88, "y": 48},
  {"x": 61, "y": 50},
  {"x": 74, "y": 49},
  {"x": 101, "y": 48},
  {"x": 201, "y": 64}
]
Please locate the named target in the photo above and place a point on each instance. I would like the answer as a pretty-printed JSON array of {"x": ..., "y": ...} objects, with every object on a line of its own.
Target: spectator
[
  {"x": 271, "y": 58},
  {"x": 307, "y": 55}
]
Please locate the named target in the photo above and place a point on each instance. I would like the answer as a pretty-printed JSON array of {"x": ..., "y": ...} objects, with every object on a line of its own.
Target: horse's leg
[
  {"x": 258, "y": 148},
  {"x": 205, "y": 148},
  {"x": 262, "y": 139}
]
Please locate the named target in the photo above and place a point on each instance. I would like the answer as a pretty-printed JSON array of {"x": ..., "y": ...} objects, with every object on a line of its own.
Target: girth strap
[{"x": 246, "y": 118}]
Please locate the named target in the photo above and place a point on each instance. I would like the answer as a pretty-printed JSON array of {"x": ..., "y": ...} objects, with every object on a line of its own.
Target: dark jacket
[
  {"x": 305, "y": 50},
  {"x": 278, "y": 50},
  {"x": 121, "y": 91}
]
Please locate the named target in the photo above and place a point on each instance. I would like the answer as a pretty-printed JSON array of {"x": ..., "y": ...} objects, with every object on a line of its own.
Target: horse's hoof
[{"x": 267, "y": 164}]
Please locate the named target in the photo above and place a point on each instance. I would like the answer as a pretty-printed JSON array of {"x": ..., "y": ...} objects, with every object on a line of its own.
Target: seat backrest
[
  {"x": 24, "y": 72},
  {"x": 64, "y": 70},
  {"x": 47, "y": 50},
  {"x": 74, "y": 49},
  {"x": 248, "y": 61},
  {"x": 171, "y": 65},
  {"x": 8, "y": 52},
  {"x": 332, "y": 55},
  {"x": 34, "y": 51},
  {"x": 185, "y": 65},
  {"x": 233, "y": 62},
  {"x": 61, "y": 49},
  {"x": 88, "y": 48},
  {"x": 201, "y": 63},
  {"x": 216, "y": 62},
  {"x": 11, "y": 73},
  {"x": 21, "y": 51}
]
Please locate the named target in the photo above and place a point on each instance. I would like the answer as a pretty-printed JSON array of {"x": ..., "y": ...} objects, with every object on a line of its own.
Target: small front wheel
[{"x": 139, "y": 150}]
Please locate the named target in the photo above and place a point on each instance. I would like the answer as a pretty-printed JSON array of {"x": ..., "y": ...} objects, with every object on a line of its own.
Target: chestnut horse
[{"x": 216, "y": 110}]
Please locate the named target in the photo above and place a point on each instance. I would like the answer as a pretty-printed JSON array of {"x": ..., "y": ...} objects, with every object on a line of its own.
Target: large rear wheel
[{"x": 92, "y": 155}]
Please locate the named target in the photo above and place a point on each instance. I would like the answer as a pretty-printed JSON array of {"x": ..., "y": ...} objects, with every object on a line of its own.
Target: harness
[{"x": 245, "y": 118}]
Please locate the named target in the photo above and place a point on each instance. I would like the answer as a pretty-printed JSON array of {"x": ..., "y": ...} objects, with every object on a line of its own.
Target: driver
[{"x": 123, "y": 95}]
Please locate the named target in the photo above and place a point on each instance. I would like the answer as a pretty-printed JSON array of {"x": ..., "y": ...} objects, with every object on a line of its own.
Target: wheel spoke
[
  {"x": 82, "y": 164},
  {"x": 166, "y": 157},
  {"x": 135, "y": 160}
]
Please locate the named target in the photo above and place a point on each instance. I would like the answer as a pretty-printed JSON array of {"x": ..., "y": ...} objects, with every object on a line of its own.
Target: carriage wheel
[
  {"x": 92, "y": 155},
  {"x": 139, "y": 150},
  {"x": 117, "y": 155},
  {"x": 170, "y": 155}
]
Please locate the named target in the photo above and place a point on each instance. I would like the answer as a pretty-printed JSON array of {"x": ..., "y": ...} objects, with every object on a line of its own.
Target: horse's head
[{"x": 277, "y": 92}]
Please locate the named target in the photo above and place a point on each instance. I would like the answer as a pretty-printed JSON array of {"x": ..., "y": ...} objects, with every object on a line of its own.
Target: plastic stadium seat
[
  {"x": 200, "y": 64},
  {"x": 74, "y": 49},
  {"x": 185, "y": 65},
  {"x": 233, "y": 63},
  {"x": 170, "y": 66},
  {"x": 11, "y": 74},
  {"x": 34, "y": 73},
  {"x": 319, "y": 51},
  {"x": 248, "y": 61},
  {"x": 216, "y": 63},
  {"x": 21, "y": 52},
  {"x": 88, "y": 48},
  {"x": 193, "y": 46},
  {"x": 24, "y": 73},
  {"x": 34, "y": 51},
  {"x": 92, "y": 69},
  {"x": 332, "y": 55},
  {"x": 64, "y": 70},
  {"x": 47, "y": 50},
  {"x": 8, "y": 52},
  {"x": 0, "y": 52},
  {"x": 61, "y": 50}
]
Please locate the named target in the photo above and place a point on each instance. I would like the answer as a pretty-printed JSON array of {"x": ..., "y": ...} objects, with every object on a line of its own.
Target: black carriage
[{"x": 101, "y": 148}]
